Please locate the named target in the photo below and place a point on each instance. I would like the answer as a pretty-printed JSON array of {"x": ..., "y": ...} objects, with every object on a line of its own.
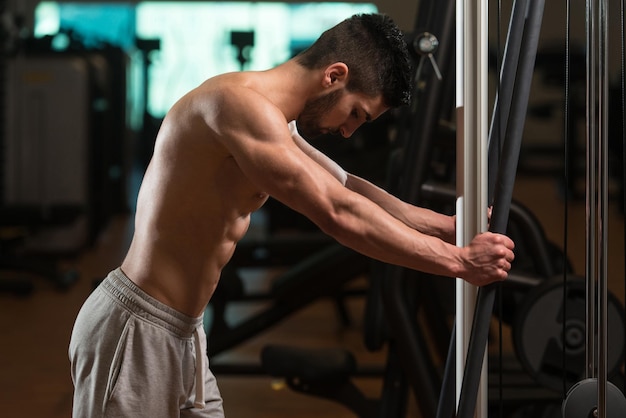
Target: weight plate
[
  {"x": 538, "y": 333},
  {"x": 582, "y": 400}
]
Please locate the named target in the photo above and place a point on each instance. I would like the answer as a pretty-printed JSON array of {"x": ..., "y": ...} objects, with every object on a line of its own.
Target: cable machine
[
  {"x": 496, "y": 145},
  {"x": 594, "y": 395}
]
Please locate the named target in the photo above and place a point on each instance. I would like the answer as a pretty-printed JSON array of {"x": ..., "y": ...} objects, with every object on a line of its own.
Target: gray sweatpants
[{"x": 133, "y": 356}]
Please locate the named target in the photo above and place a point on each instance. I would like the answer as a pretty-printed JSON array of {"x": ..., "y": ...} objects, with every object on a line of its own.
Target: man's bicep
[
  {"x": 256, "y": 136},
  {"x": 260, "y": 141},
  {"x": 280, "y": 168}
]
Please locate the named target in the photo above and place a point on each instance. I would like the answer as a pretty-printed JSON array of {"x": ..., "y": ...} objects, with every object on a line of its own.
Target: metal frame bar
[
  {"x": 472, "y": 99},
  {"x": 590, "y": 180},
  {"x": 597, "y": 196},
  {"x": 503, "y": 188}
]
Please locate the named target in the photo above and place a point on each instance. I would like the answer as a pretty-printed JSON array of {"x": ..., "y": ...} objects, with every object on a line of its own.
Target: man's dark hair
[{"x": 373, "y": 48}]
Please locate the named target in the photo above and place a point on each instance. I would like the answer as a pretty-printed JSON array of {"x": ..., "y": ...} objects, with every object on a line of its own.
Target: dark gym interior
[{"x": 299, "y": 326}]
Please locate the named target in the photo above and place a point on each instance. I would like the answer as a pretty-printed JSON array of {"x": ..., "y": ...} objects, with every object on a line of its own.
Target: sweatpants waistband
[{"x": 147, "y": 307}]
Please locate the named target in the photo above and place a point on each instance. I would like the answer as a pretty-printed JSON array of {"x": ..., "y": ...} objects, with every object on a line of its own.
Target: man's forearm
[{"x": 424, "y": 220}]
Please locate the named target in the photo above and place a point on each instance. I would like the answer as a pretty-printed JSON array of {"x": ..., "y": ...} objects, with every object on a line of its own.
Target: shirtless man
[{"x": 138, "y": 348}]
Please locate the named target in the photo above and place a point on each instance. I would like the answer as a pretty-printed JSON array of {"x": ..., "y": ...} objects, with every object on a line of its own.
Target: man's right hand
[{"x": 487, "y": 258}]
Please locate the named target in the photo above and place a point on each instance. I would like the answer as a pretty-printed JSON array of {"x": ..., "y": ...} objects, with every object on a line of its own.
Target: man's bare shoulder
[
  {"x": 243, "y": 90},
  {"x": 225, "y": 85},
  {"x": 236, "y": 100}
]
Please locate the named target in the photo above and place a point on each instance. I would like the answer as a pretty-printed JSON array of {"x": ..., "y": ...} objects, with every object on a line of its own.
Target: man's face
[
  {"x": 338, "y": 112},
  {"x": 309, "y": 121}
]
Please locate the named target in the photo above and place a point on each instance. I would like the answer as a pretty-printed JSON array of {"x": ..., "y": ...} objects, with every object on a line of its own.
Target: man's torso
[{"x": 193, "y": 207}]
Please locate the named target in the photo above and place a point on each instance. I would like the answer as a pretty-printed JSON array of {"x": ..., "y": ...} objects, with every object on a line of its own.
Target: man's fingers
[{"x": 504, "y": 240}]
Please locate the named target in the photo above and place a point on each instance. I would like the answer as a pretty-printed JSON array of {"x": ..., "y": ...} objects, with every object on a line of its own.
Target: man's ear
[{"x": 336, "y": 73}]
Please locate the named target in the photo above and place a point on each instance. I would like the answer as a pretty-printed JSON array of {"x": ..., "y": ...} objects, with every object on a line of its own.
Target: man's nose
[{"x": 347, "y": 130}]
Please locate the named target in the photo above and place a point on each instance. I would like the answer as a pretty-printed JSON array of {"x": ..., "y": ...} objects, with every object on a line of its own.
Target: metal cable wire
[
  {"x": 566, "y": 150},
  {"x": 623, "y": 104},
  {"x": 500, "y": 304}
]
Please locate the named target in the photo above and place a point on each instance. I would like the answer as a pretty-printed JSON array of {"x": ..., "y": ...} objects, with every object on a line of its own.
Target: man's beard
[{"x": 314, "y": 109}]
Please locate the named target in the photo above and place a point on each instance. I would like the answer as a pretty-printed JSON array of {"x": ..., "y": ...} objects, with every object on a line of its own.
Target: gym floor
[{"x": 35, "y": 330}]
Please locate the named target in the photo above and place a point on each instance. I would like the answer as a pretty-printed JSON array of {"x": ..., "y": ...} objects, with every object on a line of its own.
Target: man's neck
[{"x": 290, "y": 86}]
